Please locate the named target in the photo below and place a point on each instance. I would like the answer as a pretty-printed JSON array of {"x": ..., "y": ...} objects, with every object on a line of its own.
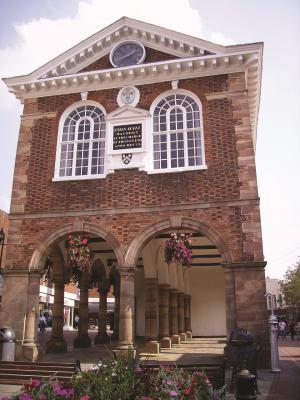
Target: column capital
[
  {"x": 245, "y": 266},
  {"x": 126, "y": 271},
  {"x": 164, "y": 286},
  {"x": 173, "y": 291}
]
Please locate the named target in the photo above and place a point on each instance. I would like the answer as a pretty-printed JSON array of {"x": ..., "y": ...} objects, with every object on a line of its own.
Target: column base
[
  {"x": 165, "y": 343},
  {"x": 30, "y": 351},
  {"x": 101, "y": 338},
  {"x": 150, "y": 347},
  {"x": 56, "y": 345},
  {"x": 126, "y": 351},
  {"x": 82, "y": 341},
  {"x": 182, "y": 337},
  {"x": 189, "y": 335},
  {"x": 175, "y": 339}
]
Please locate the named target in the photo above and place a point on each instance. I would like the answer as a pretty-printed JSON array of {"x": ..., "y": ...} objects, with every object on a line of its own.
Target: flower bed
[{"x": 124, "y": 380}]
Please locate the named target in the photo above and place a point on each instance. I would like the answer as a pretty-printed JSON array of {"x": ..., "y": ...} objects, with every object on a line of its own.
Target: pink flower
[
  {"x": 172, "y": 393},
  {"x": 86, "y": 397},
  {"x": 35, "y": 383}
]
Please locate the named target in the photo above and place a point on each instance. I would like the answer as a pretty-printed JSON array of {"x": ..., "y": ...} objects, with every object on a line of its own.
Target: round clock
[{"x": 127, "y": 53}]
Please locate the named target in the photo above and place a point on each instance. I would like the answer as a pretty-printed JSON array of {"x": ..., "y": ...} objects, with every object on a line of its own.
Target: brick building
[{"x": 133, "y": 134}]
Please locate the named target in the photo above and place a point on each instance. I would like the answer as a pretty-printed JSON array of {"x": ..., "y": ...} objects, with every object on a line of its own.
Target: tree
[{"x": 291, "y": 286}]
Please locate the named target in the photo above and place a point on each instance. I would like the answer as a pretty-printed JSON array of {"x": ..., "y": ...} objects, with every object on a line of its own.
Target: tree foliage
[{"x": 291, "y": 286}]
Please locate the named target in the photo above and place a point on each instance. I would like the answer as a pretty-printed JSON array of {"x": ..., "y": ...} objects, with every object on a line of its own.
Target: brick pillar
[
  {"x": 83, "y": 339},
  {"x": 164, "y": 331},
  {"x": 57, "y": 343},
  {"x": 30, "y": 343},
  {"x": 101, "y": 336},
  {"x": 251, "y": 305},
  {"x": 187, "y": 316},
  {"x": 173, "y": 313},
  {"x": 126, "y": 321}
]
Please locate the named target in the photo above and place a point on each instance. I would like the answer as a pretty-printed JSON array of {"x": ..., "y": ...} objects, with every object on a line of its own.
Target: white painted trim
[
  {"x": 163, "y": 95},
  {"x": 63, "y": 117}
]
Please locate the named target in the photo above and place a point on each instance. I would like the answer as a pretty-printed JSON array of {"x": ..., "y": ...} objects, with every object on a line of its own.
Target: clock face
[{"x": 127, "y": 53}]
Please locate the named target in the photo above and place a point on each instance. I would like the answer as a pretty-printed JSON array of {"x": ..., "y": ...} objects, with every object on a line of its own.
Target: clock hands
[{"x": 128, "y": 55}]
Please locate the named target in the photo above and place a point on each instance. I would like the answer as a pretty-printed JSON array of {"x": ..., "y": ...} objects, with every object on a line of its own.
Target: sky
[{"x": 33, "y": 32}]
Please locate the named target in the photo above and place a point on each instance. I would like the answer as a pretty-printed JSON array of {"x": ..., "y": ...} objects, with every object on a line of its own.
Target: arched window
[
  {"x": 177, "y": 133},
  {"x": 81, "y": 149}
]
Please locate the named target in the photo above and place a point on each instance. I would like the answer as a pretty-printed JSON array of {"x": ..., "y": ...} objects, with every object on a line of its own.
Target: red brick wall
[
  {"x": 131, "y": 188},
  {"x": 125, "y": 227}
]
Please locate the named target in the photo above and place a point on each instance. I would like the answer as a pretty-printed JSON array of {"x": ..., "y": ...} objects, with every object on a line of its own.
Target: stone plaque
[{"x": 127, "y": 137}]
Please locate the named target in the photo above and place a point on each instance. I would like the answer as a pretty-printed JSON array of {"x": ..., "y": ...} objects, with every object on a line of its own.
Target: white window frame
[
  {"x": 63, "y": 118},
  {"x": 184, "y": 92}
]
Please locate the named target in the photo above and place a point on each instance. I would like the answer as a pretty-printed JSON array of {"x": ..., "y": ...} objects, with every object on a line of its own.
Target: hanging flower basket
[
  {"x": 178, "y": 248},
  {"x": 77, "y": 255}
]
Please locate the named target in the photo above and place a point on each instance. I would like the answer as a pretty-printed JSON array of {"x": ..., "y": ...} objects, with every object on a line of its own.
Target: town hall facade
[{"x": 133, "y": 134}]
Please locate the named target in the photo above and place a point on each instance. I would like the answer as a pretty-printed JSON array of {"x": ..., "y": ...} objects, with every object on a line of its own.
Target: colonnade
[{"x": 167, "y": 313}]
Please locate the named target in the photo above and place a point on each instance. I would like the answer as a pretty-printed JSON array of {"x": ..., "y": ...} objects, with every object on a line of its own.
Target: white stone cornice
[{"x": 99, "y": 44}]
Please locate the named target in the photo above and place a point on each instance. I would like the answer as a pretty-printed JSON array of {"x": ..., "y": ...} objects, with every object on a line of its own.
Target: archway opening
[
  {"x": 174, "y": 299},
  {"x": 79, "y": 312}
]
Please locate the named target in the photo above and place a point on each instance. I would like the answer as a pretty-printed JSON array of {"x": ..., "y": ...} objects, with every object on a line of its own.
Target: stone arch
[
  {"x": 174, "y": 222},
  {"x": 40, "y": 253}
]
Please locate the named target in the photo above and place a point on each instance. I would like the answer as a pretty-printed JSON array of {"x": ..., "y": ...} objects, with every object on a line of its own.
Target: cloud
[{"x": 220, "y": 38}]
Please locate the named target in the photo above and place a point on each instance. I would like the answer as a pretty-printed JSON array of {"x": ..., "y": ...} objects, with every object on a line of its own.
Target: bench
[
  {"x": 22, "y": 372},
  {"x": 214, "y": 369}
]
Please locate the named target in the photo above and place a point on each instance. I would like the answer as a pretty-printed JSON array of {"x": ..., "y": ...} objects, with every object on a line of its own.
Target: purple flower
[
  {"x": 25, "y": 397},
  {"x": 172, "y": 393}
]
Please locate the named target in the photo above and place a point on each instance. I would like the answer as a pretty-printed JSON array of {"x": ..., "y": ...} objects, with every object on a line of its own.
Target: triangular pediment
[
  {"x": 127, "y": 112},
  {"x": 101, "y": 43}
]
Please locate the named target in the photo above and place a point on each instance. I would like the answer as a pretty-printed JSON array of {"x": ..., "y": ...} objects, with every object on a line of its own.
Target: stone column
[
  {"x": 115, "y": 335},
  {"x": 175, "y": 339},
  {"x": 180, "y": 300},
  {"x": 101, "y": 336},
  {"x": 230, "y": 300},
  {"x": 187, "y": 316},
  {"x": 30, "y": 343},
  {"x": 57, "y": 343},
  {"x": 151, "y": 316},
  {"x": 126, "y": 321},
  {"x": 164, "y": 332},
  {"x": 83, "y": 339}
]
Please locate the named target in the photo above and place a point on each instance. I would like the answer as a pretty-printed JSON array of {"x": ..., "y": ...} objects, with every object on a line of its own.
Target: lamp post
[
  {"x": 273, "y": 336},
  {"x": 2, "y": 244}
]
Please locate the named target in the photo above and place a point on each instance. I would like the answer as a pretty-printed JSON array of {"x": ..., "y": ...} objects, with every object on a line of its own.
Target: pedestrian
[
  {"x": 297, "y": 329},
  {"x": 42, "y": 322},
  {"x": 281, "y": 329},
  {"x": 292, "y": 329},
  {"x": 76, "y": 321}
]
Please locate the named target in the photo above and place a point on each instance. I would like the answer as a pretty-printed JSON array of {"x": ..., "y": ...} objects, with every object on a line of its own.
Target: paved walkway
[
  {"x": 286, "y": 385},
  {"x": 282, "y": 386}
]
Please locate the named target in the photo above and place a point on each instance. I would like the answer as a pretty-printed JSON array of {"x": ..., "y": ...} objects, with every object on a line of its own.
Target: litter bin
[{"x": 7, "y": 344}]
